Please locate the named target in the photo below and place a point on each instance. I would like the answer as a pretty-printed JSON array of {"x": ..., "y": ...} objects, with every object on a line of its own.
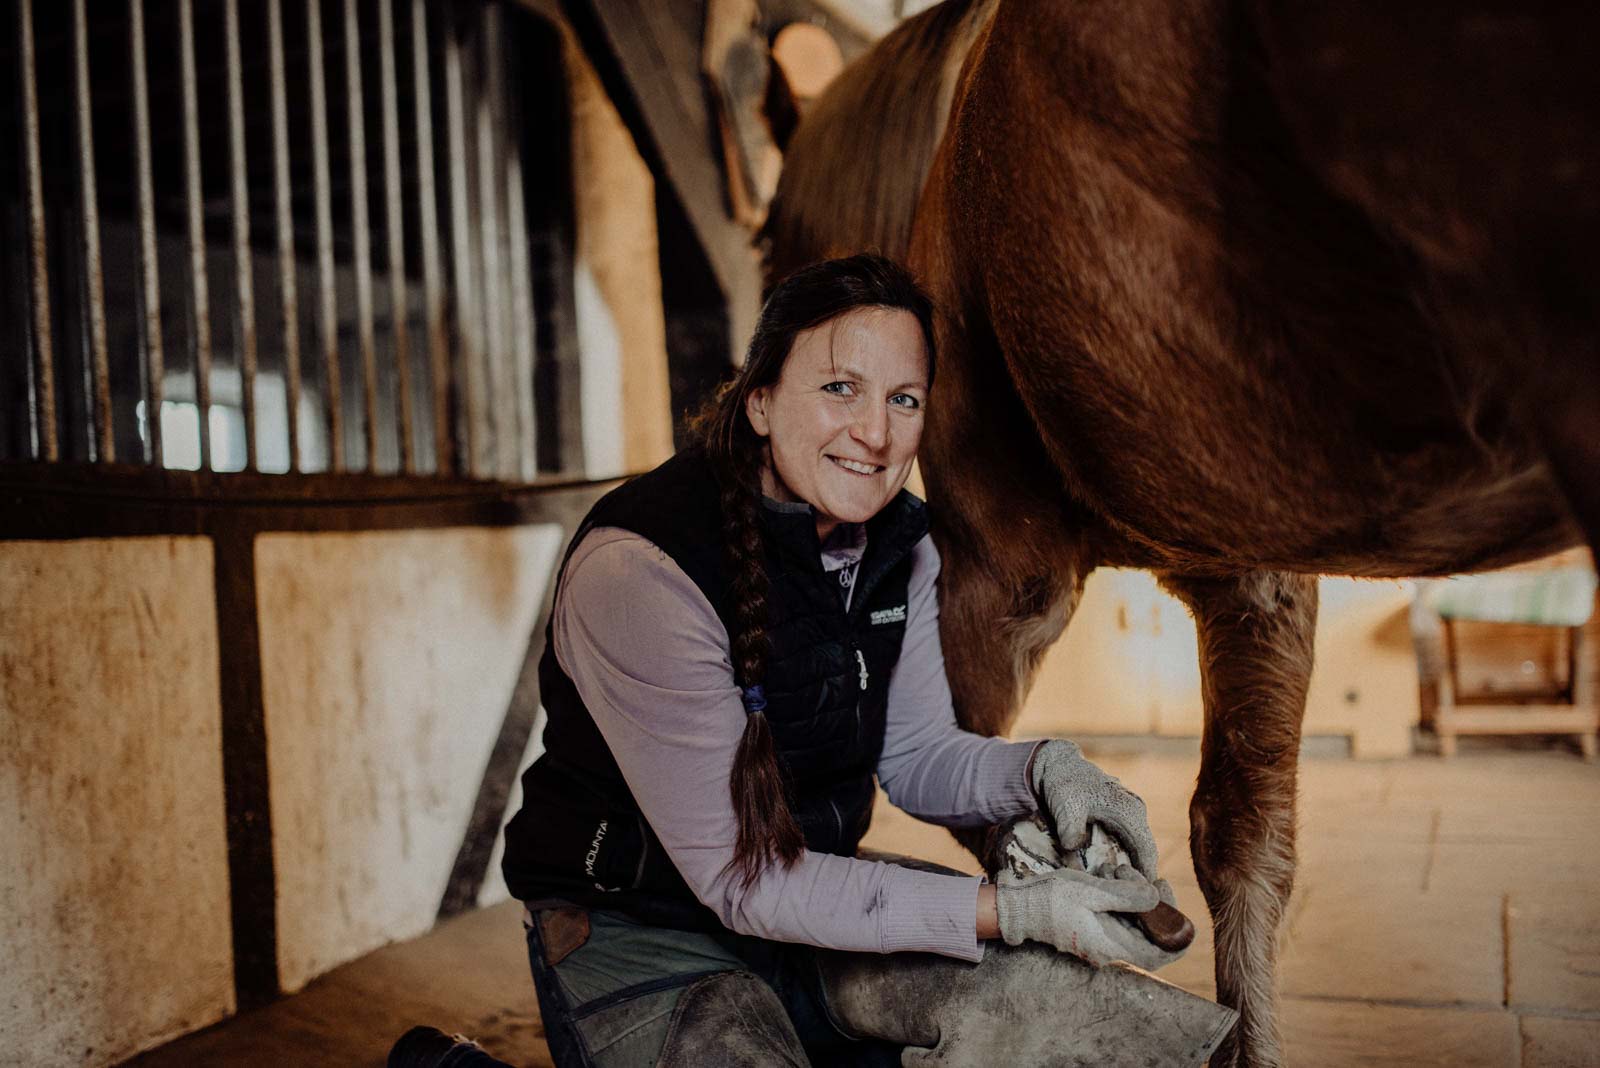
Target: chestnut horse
[{"x": 1242, "y": 294}]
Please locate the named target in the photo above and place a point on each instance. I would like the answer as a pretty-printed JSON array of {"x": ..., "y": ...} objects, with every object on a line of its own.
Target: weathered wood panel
[
  {"x": 114, "y": 928},
  {"x": 388, "y": 660}
]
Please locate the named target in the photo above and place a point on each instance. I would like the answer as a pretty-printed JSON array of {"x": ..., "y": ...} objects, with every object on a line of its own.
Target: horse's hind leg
[{"x": 1255, "y": 636}]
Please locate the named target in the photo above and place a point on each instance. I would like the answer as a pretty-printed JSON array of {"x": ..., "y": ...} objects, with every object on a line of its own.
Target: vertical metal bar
[
  {"x": 327, "y": 303},
  {"x": 522, "y": 311},
  {"x": 149, "y": 268},
  {"x": 104, "y": 446},
  {"x": 243, "y": 268},
  {"x": 289, "y": 303},
  {"x": 363, "y": 236},
  {"x": 489, "y": 189},
  {"x": 495, "y": 100},
  {"x": 394, "y": 222},
  {"x": 464, "y": 290},
  {"x": 44, "y": 398},
  {"x": 432, "y": 287},
  {"x": 199, "y": 285}
]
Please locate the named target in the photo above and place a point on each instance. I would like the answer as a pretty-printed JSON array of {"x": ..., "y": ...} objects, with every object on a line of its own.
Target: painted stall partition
[
  {"x": 388, "y": 660},
  {"x": 114, "y": 921}
]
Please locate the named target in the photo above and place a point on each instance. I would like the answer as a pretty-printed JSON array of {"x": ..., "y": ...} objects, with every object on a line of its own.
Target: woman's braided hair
[{"x": 808, "y": 298}]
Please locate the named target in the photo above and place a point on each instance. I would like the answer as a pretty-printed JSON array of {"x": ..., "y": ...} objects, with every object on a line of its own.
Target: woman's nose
[{"x": 871, "y": 427}]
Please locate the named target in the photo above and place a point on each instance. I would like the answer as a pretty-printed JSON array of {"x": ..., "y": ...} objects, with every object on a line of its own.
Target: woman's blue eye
[
  {"x": 840, "y": 388},
  {"x": 905, "y": 400}
]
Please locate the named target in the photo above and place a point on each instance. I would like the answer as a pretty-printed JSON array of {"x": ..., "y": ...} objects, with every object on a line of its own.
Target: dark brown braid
[
  {"x": 808, "y": 298},
  {"x": 767, "y": 828}
]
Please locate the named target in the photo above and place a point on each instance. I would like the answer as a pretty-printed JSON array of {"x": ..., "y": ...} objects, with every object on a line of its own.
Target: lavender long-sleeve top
[{"x": 651, "y": 660}]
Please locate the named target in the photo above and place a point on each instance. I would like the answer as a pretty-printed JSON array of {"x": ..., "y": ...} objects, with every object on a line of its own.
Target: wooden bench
[{"x": 1482, "y": 639}]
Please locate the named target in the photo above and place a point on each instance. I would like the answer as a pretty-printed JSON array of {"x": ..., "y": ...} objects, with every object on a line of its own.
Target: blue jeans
[{"x": 610, "y": 989}]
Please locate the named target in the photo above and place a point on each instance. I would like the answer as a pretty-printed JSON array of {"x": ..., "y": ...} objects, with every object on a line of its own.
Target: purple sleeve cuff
[{"x": 926, "y": 912}]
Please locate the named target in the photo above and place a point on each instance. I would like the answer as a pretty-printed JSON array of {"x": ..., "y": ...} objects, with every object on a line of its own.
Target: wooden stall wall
[
  {"x": 388, "y": 661},
  {"x": 114, "y": 909}
]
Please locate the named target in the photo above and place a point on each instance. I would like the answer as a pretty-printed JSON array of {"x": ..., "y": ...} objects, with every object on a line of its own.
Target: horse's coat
[{"x": 1240, "y": 293}]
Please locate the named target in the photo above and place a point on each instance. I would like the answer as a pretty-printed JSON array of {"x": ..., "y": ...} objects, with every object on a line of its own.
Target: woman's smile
[{"x": 856, "y": 466}]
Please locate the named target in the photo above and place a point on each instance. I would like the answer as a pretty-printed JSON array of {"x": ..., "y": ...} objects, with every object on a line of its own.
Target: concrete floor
[{"x": 1444, "y": 914}]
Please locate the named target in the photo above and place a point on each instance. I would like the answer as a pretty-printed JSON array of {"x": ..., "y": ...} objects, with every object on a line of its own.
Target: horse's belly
[{"x": 1198, "y": 484}]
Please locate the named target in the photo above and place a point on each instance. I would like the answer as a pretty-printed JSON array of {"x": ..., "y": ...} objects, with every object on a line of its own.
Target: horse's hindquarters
[{"x": 1227, "y": 363}]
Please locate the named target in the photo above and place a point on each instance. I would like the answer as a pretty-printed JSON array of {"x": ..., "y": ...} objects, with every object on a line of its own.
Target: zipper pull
[{"x": 862, "y": 660}]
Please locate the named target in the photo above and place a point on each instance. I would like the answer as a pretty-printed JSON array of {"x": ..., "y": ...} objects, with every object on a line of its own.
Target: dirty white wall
[
  {"x": 1128, "y": 664},
  {"x": 114, "y": 916},
  {"x": 388, "y": 660}
]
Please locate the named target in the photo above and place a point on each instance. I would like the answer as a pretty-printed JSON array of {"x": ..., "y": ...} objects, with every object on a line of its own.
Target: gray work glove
[
  {"x": 1072, "y": 911},
  {"x": 1073, "y": 792}
]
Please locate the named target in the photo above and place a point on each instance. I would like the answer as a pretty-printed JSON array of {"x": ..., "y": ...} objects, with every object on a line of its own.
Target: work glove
[
  {"x": 1075, "y": 793},
  {"x": 1074, "y": 912}
]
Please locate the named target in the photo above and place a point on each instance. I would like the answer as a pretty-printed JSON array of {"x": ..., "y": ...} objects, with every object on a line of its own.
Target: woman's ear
[{"x": 755, "y": 406}]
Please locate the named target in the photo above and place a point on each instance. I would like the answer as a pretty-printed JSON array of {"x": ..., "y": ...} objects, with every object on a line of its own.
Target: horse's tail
[{"x": 848, "y": 184}]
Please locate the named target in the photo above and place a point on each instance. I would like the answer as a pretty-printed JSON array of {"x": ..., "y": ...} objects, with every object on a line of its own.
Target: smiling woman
[{"x": 743, "y": 640}]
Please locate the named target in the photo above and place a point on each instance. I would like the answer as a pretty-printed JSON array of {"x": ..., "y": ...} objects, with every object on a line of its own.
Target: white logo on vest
[{"x": 594, "y": 853}]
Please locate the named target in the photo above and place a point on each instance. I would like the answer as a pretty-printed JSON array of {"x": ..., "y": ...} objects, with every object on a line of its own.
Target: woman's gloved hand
[
  {"x": 1074, "y": 792},
  {"x": 1072, "y": 911}
]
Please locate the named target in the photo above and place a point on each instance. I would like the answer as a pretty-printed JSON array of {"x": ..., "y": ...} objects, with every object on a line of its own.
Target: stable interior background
[{"x": 258, "y": 741}]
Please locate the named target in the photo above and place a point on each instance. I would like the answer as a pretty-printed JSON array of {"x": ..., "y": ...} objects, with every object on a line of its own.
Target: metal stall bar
[
  {"x": 362, "y": 254},
  {"x": 289, "y": 303},
  {"x": 394, "y": 221},
  {"x": 244, "y": 283},
  {"x": 199, "y": 287},
  {"x": 44, "y": 382},
  {"x": 99, "y": 369},
  {"x": 432, "y": 286},
  {"x": 327, "y": 303},
  {"x": 490, "y": 187},
  {"x": 498, "y": 101},
  {"x": 149, "y": 267},
  {"x": 522, "y": 313},
  {"x": 464, "y": 290}
]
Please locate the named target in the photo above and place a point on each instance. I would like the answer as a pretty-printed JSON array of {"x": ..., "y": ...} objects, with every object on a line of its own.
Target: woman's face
[{"x": 845, "y": 416}]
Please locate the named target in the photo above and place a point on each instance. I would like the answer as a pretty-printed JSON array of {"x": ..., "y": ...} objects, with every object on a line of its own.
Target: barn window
[{"x": 297, "y": 236}]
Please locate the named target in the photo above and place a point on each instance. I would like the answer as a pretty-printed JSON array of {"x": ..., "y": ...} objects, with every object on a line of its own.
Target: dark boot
[{"x": 429, "y": 1047}]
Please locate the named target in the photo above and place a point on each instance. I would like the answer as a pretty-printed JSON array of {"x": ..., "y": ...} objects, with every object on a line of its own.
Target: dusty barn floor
[{"x": 1445, "y": 914}]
